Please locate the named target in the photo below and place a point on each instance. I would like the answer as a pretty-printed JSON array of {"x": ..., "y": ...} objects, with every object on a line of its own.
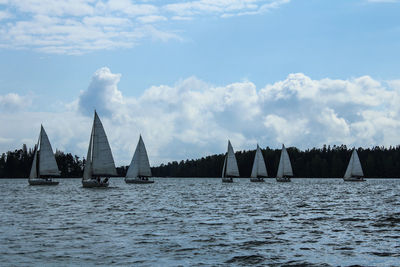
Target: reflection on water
[{"x": 201, "y": 222}]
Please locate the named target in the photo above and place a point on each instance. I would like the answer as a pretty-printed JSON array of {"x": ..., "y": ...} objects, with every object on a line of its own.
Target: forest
[{"x": 325, "y": 162}]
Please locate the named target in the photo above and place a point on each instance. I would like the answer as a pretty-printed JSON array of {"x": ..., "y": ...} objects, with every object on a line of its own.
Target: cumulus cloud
[
  {"x": 102, "y": 93},
  {"x": 193, "y": 118},
  {"x": 81, "y": 26},
  {"x": 12, "y": 102}
]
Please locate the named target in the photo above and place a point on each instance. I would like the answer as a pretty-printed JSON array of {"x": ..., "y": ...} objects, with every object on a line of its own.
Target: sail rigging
[
  {"x": 33, "y": 173},
  {"x": 44, "y": 162},
  {"x": 231, "y": 167},
  {"x": 285, "y": 167},
  {"x": 354, "y": 168},
  {"x": 47, "y": 161},
  {"x": 99, "y": 160},
  {"x": 140, "y": 166},
  {"x": 259, "y": 169}
]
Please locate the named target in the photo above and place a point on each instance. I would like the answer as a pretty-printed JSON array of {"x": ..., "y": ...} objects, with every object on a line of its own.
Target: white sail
[
  {"x": 259, "y": 168},
  {"x": 285, "y": 167},
  {"x": 87, "y": 172},
  {"x": 140, "y": 165},
  {"x": 224, "y": 167},
  {"x": 231, "y": 167},
  {"x": 354, "y": 168},
  {"x": 102, "y": 159},
  {"x": 33, "y": 173},
  {"x": 47, "y": 161}
]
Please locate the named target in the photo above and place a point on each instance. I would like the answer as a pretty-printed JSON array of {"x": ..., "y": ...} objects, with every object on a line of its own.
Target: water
[{"x": 201, "y": 222}]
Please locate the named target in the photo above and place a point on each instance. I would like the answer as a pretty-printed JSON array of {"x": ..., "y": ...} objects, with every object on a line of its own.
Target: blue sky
[{"x": 188, "y": 75}]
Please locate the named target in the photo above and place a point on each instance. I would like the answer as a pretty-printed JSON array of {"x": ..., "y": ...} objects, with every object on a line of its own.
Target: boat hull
[
  {"x": 94, "y": 184},
  {"x": 138, "y": 181},
  {"x": 283, "y": 179},
  {"x": 42, "y": 182},
  {"x": 257, "y": 180},
  {"x": 354, "y": 179},
  {"x": 227, "y": 180}
]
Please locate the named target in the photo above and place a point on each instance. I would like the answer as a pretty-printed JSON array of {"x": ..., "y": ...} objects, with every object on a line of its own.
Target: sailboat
[
  {"x": 259, "y": 170},
  {"x": 354, "y": 172},
  {"x": 99, "y": 160},
  {"x": 139, "y": 171},
  {"x": 44, "y": 165},
  {"x": 285, "y": 167},
  {"x": 230, "y": 168}
]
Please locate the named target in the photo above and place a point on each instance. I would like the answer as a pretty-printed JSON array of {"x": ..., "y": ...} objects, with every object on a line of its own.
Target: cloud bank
[
  {"x": 81, "y": 26},
  {"x": 192, "y": 118}
]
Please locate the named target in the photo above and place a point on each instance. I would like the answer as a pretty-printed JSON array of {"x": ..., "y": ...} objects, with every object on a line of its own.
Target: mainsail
[
  {"x": 87, "y": 172},
  {"x": 33, "y": 173},
  {"x": 230, "y": 164},
  {"x": 285, "y": 167},
  {"x": 99, "y": 160},
  {"x": 354, "y": 168},
  {"x": 140, "y": 165},
  {"x": 224, "y": 168},
  {"x": 47, "y": 162},
  {"x": 259, "y": 168}
]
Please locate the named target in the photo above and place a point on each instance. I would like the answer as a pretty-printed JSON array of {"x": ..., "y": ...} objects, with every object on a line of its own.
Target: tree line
[{"x": 325, "y": 162}]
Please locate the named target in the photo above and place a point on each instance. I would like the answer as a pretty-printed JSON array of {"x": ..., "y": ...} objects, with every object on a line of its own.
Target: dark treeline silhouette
[
  {"x": 17, "y": 164},
  {"x": 326, "y": 162}
]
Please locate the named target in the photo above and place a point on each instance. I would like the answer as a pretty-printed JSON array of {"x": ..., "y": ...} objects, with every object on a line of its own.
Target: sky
[{"x": 189, "y": 75}]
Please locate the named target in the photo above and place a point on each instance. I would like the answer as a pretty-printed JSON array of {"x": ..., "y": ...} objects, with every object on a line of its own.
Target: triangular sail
[
  {"x": 47, "y": 161},
  {"x": 224, "y": 167},
  {"x": 354, "y": 168},
  {"x": 102, "y": 159},
  {"x": 140, "y": 165},
  {"x": 33, "y": 173},
  {"x": 285, "y": 167},
  {"x": 259, "y": 168},
  {"x": 231, "y": 168},
  {"x": 87, "y": 172}
]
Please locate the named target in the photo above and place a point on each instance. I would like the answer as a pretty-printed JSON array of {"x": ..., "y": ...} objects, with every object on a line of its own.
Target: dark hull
[
  {"x": 257, "y": 180},
  {"x": 354, "y": 179},
  {"x": 138, "y": 181},
  {"x": 94, "y": 184},
  {"x": 283, "y": 179},
  {"x": 42, "y": 182}
]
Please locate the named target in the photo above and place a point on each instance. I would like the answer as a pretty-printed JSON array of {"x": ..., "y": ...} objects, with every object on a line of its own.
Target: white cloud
[
  {"x": 151, "y": 19},
  {"x": 5, "y": 15},
  {"x": 192, "y": 118},
  {"x": 82, "y": 26},
  {"x": 224, "y": 8},
  {"x": 102, "y": 93},
  {"x": 12, "y": 102}
]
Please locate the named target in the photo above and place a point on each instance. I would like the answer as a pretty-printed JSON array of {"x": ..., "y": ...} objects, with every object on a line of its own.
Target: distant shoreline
[{"x": 269, "y": 178}]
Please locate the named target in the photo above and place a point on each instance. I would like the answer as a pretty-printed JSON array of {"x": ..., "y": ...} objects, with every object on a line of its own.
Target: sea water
[{"x": 201, "y": 222}]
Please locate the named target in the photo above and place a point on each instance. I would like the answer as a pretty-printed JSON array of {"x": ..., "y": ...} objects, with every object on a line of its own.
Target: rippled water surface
[{"x": 201, "y": 222}]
